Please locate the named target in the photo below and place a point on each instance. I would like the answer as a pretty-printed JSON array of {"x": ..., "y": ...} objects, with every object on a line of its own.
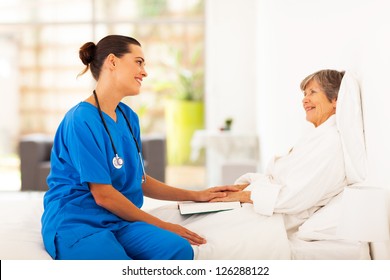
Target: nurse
[{"x": 97, "y": 179}]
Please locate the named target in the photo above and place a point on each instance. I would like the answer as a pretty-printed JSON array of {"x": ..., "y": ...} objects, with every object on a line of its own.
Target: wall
[
  {"x": 296, "y": 38},
  {"x": 230, "y": 74},
  {"x": 230, "y": 63}
]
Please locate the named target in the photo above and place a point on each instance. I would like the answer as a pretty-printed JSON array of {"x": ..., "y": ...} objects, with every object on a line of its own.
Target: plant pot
[{"x": 183, "y": 118}]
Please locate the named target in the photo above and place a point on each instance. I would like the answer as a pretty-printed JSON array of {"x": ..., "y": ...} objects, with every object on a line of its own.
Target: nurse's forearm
[
  {"x": 110, "y": 199},
  {"x": 155, "y": 189}
]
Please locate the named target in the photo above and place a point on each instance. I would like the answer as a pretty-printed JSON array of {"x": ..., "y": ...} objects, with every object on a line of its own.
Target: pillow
[
  {"x": 323, "y": 224},
  {"x": 349, "y": 119}
]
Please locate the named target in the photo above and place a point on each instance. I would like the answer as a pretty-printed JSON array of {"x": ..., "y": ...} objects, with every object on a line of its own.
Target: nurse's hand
[
  {"x": 192, "y": 237},
  {"x": 218, "y": 192}
]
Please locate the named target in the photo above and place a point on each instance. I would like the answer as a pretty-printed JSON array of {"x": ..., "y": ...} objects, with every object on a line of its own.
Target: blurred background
[
  {"x": 39, "y": 64},
  {"x": 223, "y": 85}
]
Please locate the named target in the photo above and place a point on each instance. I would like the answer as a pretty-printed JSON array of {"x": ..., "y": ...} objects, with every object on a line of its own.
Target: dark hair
[
  {"x": 329, "y": 80},
  {"x": 93, "y": 55}
]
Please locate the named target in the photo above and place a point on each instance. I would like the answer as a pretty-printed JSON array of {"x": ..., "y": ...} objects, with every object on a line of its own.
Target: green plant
[
  {"x": 152, "y": 8},
  {"x": 187, "y": 77}
]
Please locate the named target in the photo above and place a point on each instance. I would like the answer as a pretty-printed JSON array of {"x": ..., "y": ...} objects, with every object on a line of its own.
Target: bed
[
  {"x": 244, "y": 237},
  {"x": 20, "y": 237}
]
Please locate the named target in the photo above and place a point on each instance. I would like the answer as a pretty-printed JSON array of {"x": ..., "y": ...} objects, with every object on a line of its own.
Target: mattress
[{"x": 20, "y": 237}]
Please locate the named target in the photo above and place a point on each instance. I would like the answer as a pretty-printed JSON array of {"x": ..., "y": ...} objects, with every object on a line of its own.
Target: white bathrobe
[
  {"x": 294, "y": 186},
  {"x": 301, "y": 181}
]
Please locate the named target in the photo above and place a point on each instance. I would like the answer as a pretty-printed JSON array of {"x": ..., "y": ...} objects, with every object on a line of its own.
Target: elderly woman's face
[{"x": 317, "y": 106}]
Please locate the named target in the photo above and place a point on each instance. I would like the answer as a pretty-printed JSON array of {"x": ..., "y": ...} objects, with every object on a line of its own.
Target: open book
[{"x": 191, "y": 207}]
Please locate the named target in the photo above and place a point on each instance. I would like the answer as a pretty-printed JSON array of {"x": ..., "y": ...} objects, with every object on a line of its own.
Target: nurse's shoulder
[{"x": 82, "y": 112}]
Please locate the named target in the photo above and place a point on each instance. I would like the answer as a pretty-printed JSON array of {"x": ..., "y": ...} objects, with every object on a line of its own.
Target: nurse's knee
[
  {"x": 188, "y": 251},
  {"x": 182, "y": 250}
]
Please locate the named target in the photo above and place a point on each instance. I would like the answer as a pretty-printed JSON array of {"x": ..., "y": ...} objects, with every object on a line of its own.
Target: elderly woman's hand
[
  {"x": 241, "y": 187},
  {"x": 215, "y": 192},
  {"x": 241, "y": 196},
  {"x": 221, "y": 193}
]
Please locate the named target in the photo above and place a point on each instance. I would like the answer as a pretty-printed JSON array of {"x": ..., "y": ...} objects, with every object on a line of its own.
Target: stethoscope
[{"x": 117, "y": 161}]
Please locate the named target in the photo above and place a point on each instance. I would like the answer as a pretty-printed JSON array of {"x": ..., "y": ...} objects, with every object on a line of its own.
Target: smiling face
[
  {"x": 130, "y": 70},
  {"x": 317, "y": 106}
]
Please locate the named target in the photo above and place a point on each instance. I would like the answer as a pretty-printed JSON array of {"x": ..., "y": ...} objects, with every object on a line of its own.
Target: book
[{"x": 191, "y": 207}]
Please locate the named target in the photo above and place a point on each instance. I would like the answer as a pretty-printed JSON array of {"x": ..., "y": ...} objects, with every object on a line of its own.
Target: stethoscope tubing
[{"x": 118, "y": 161}]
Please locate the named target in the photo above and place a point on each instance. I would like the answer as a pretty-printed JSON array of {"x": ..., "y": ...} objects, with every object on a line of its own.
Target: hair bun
[{"x": 87, "y": 52}]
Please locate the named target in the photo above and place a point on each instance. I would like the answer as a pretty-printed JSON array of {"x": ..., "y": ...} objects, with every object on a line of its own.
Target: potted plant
[{"x": 184, "y": 107}]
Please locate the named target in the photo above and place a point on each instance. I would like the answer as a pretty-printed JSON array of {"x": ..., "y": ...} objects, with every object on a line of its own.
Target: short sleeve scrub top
[{"x": 82, "y": 152}]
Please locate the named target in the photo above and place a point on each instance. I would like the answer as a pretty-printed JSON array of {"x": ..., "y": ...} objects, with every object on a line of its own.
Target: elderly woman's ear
[{"x": 334, "y": 103}]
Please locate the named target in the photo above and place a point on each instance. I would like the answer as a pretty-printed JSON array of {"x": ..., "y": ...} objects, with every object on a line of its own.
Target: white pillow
[
  {"x": 349, "y": 119},
  {"x": 323, "y": 224}
]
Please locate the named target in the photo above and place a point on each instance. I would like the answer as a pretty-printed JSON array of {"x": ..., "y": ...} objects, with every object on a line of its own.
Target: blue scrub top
[{"x": 82, "y": 153}]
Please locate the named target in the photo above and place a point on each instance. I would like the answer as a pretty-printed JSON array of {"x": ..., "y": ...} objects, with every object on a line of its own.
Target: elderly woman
[{"x": 312, "y": 172}]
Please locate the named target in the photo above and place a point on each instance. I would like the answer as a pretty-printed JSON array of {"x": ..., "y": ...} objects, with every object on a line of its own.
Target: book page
[{"x": 190, "y": 207}]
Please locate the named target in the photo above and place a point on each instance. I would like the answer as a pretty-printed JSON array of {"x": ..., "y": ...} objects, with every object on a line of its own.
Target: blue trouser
[{"x": 137, "y": 240}]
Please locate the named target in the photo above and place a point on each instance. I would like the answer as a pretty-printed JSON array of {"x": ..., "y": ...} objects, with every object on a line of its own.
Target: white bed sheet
[
  {"x": 246, "y": 236},
  {"x": 329, "y": 250},
  {"x": 20, "y": 237},
  {"x": 20, "y": 230}
]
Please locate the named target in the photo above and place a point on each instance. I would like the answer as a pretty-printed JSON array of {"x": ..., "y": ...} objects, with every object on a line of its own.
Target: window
[{"x": 47, "y": 36}]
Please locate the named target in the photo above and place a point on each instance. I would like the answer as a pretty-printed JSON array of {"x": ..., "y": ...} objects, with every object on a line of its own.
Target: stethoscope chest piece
[{"x": 117, "y": 162}]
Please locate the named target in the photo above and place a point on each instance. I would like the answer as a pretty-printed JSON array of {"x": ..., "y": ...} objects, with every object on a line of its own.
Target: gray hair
[{"x": 329, "y": 80}]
